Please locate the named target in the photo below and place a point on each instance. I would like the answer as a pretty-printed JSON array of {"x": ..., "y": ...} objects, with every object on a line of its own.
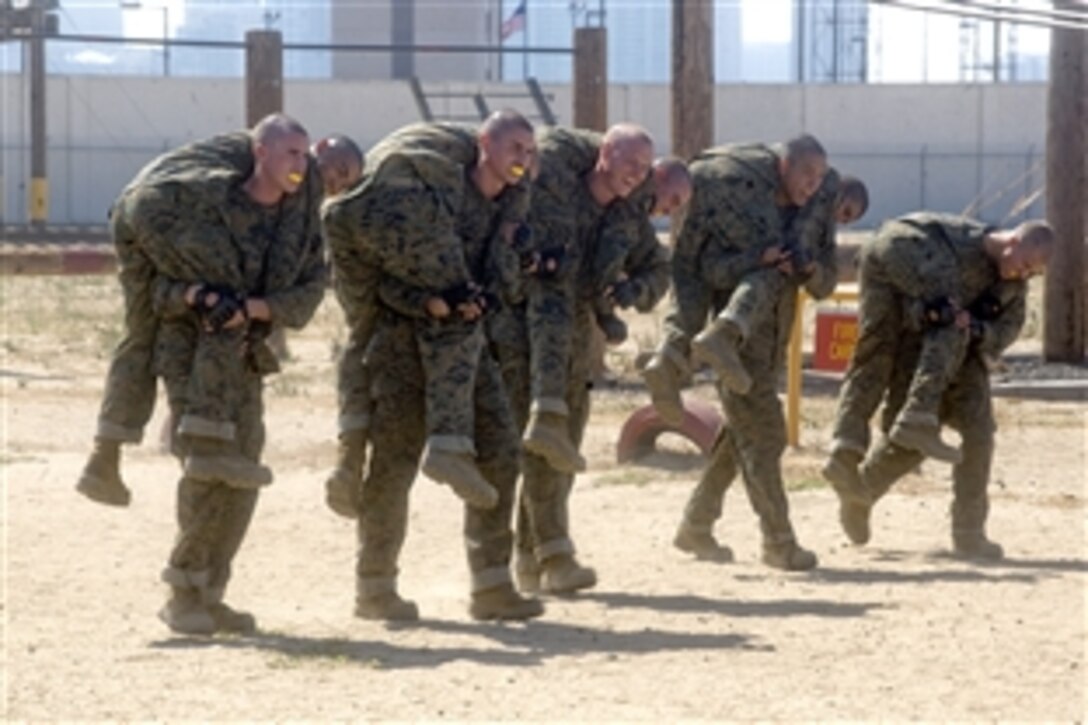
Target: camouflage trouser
[
  {"x": 752, "y": 441},
  {"x": 752, "y": 304},
  {"x": 944, "y": 350},
  {"x": 879, "y": 328},
  {"x": 543, "y": 526},
  {"x": 704, "y": 506},
  {"x": 450, "y": 356},
  {"x": 896, "y": 269},
  {"x": 129, "y": 396},
  {"x": 688, "y": 311},
  {"x": 212, "y": 517},
  {"x": 550, "y": 316},
  {"x": 353, "y": 383},
  {"x": 398, "y": 435},
  {"x": 966, "y": 406}
]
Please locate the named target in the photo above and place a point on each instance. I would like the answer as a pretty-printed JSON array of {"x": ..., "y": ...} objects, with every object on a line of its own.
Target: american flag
[{"x": 514, "y": 23}]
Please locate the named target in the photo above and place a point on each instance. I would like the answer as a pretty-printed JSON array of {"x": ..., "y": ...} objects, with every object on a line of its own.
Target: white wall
[{"x": 938, "y": 146}]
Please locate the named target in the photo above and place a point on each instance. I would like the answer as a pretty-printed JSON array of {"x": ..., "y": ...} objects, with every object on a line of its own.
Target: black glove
[
  {"x": 228, "y": 304},
  {"x": 549, "y": 261},
  {"x": 489, "y": 301},
  {"x": 800, "y": 259},
  {"x": 522, "y": 243},
  {"x": 987, "y": 307},
  {"x": 625, "y": 293},
  {"x": 460, "y": 294},
  {"x": 939, "y": 312}
]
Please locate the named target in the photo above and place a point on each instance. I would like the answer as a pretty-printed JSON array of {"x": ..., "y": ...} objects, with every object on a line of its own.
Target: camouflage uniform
[
  {"x": 130, "y": 386},
  {"x": 404, "y": 226},
  {"x": 542, "y": 342},
  {"x": 754, "y": 436},
  {"x": 286, "y": 268},
  {"x": 911, "y": 260},
  {"x": 731, "y": 220},
  {"x": 398, "y": 372},
  {"x": 965, "y": 405}
]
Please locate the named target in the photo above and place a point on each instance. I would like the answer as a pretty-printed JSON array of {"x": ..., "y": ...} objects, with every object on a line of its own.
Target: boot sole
[
  {"x": 666, "y": 401},
  {"x": 474, "y": 493},
  {"x": 492, "y": 615},
  {"x": 721, "y": 555},
  {"x": 555, "y": 457},
  {"x": 736, "y": 379},
  {"x": 104, "y": 493},
  {"x": 926, "y": 447}
]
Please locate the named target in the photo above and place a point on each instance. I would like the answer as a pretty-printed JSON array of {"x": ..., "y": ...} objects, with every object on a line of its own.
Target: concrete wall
[{"x": 940, "y": 147}]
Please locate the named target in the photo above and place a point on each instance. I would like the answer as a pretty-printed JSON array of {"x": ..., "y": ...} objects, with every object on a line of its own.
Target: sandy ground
[{"x": 896, "y": 629}]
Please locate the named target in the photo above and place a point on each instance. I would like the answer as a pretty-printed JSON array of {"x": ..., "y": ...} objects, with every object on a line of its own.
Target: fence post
[
  {"x": 264, "y": 74},
  {"x": 591, "y": 78},
  {"x": 1066, "y": 193}
]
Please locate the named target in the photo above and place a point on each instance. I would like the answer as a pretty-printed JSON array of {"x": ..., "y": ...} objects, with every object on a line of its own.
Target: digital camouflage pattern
[
  {"x": 401, "y": 384},
  {"x": 910, "y": 261},
  {"x": 129, "y": 395},
  {"x": 753, "y": 439},
  {"x": 965, "y": 405},
  {"x": 403, "y": 229}
]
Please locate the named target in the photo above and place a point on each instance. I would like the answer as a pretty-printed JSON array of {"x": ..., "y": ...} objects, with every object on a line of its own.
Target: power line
[{"x": 962, "y": 10}]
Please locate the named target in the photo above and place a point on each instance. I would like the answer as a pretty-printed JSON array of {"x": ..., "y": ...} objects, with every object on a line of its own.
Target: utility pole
[
  {"x": 1067, "y": 192},
  {"x": 264, "y": 74},
  {"x": 692, "y": 76},
  {"x": 591, "y": 78}
]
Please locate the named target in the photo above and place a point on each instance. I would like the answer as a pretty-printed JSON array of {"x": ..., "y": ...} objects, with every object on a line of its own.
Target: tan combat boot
[
  {"x": 716, "y": 346},
  {"x": 186, "y": 613},
  {"x": 855, "y": 505},
  {"x": 343, "y": 486},
  {"x": 211, "y": 459},
  {"x": 377, "y": 598},
  {"x": 973, "y": 544},
  {"x": 548, "y": 437},
  {"x": 701, "y": 542},
  {"x": 460, "y": 471},
  {"x": 527, "y": 572},
  {"x": 562, "y": 574},
  {"x": 788, "y": 556},
  {"x": 664, "y": 388},
  {"x": 101, "y": 477},
  {"x": 502, "y": 602},
  {"x": 924, "y": 436}
]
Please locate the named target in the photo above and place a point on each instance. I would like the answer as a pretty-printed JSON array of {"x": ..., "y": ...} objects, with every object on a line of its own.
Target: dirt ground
[{"x": 894, "y": 630}]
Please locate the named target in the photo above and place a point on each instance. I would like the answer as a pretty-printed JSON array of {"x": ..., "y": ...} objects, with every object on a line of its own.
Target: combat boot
[
  {"x": 387, "y": 606},
  {"x": 973, "y": 544},
  {"x": 460, "y": 471},
  {"x": 549, "y": 438},
  {"x": 502, "y": 602},
  {"x": 926, "y": 439},
  {"x": 344, "y": 484},
  {"x": 855, "y": 504},
  {"x": 562, "y": 574},
  {"x": 212, "y": 459},
  {"x": 664, "y": 390},
  {"x": 230, "y": 620},
  {"x": 101, "y": 477},
  {"x": 702, "y": 544},
  {"x": 716, "y": 346},
  {"x": 788, "y": 555},
  {"x": 186, "y": 613},
  {"x": 527, "y": 572},
  {"x": 614, "y": 329}
]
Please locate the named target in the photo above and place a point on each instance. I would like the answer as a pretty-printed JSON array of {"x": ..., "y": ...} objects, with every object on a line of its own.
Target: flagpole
[
  {"x": 502, "y": 40},
  {"x": 525, "y": 43}
]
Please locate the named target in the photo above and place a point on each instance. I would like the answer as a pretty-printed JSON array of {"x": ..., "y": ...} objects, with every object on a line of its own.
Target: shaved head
[{"x": 275, "y": 126}]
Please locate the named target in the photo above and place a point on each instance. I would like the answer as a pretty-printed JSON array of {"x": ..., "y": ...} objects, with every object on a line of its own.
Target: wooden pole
[
  {"x": 591, "y": 78},
  {"x": 1067, "y": 193},
  {"x": 39, "y": 184},
  {"x": 264, "y": 74},
  {"x": 692, "y": 76}
]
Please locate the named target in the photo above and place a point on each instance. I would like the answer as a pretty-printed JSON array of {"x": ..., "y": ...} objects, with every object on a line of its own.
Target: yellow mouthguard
[
  {"x": 517, "y": 170},
  {"x": 295, "y": 178}
]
